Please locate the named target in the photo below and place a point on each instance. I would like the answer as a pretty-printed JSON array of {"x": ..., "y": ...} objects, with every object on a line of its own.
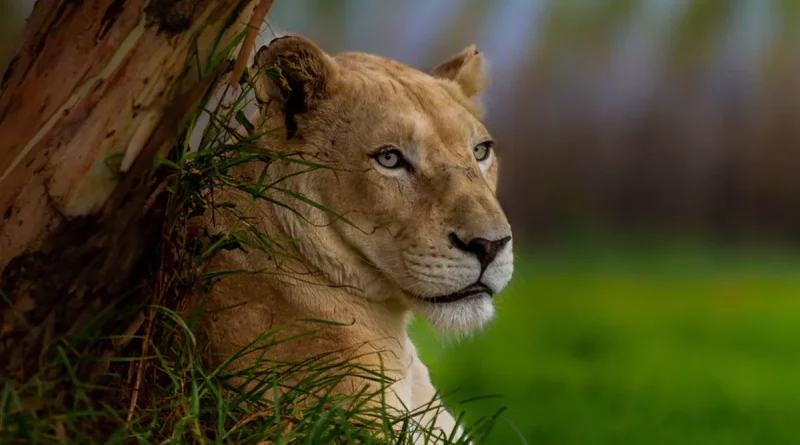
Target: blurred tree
[
  {"x": 10, "y": 22},
  {"x": 582, "y": 26},
  {"x": 698, "y": 27},
  {"x": 783, "y": 61}
]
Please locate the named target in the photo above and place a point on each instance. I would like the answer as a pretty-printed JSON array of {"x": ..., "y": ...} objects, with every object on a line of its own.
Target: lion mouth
[{"x": 472, "y": 289}]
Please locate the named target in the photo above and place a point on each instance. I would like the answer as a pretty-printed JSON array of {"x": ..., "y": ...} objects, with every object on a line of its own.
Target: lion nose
[{"x": 485, "y": 250}]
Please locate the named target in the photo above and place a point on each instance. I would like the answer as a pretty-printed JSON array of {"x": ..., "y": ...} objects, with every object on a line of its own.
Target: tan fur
[{"x": 372, "y": 274}]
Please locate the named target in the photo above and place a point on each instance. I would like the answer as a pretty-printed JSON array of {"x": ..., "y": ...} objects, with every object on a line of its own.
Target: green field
[{"x": 673, "y": 346}]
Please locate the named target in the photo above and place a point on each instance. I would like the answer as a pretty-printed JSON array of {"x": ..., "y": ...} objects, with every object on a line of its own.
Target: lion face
[{"x": 415, "y": 175}]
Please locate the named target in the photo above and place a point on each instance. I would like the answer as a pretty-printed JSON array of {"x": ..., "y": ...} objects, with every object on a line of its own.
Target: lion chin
[
  {"x": 406, "y": 216},
  {"x": 460, "y": 317}
]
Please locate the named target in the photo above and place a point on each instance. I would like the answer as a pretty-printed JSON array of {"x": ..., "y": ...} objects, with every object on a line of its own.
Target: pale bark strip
[
  {"x": 85, "y": 90},
  {"x": 98, "y": 85}
]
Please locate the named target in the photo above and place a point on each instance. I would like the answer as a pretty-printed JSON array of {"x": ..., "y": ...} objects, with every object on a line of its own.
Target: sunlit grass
[{"x": 677, "y": 344}]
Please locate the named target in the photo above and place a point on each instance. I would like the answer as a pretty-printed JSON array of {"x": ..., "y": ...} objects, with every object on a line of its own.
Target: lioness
[{"x": 414, "y": 175}]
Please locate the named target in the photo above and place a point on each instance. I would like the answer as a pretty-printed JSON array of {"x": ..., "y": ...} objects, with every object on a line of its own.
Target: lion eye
[
  {"x": 389, "y": 158},
  {"x": 482, "y": 151}
]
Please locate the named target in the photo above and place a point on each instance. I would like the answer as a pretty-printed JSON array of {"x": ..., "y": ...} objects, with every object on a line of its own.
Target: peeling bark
[{"x": 98, "y": 88}]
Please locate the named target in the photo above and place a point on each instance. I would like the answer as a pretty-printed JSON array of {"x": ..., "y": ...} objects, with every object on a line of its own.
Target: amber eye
[
  {"x": 482, "y": 151},
  {"x": 390, "y": 158}
]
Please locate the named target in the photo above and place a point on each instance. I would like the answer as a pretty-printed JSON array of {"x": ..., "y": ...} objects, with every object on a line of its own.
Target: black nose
[{"x": 485, "y": 250}]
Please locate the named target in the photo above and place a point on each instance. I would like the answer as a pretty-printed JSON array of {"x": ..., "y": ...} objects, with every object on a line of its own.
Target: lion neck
[{"x": 311, "y": 281}]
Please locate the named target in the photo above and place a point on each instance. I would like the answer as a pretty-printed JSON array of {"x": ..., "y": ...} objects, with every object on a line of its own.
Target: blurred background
[{"x": 650, "y": 157}]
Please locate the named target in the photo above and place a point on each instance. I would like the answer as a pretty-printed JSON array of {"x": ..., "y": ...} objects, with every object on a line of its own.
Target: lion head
[{"x": 408, "y": 212}]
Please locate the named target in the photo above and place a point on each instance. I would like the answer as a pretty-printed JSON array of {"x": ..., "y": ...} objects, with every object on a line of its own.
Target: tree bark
[{"x": 97, "y": 89}]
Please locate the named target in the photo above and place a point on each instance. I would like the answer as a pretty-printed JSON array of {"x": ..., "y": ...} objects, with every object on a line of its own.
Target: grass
[
  {"x": 689, "y": 345},
  {"x": 186, "y": 401},
  {"x": 666, "y": 345}
]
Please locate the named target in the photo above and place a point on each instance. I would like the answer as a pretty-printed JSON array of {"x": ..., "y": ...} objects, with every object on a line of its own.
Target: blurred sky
[
  {"x": 511, "y": 32},
  {"x": 621, "y": 115}
]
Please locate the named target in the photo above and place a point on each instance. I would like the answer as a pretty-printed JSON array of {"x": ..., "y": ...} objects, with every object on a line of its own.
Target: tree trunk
[{"x": 97, "y": 89}]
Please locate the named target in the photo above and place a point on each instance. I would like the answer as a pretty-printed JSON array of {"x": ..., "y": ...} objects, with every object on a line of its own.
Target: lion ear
[
  {"x": 294, "y": 71},
  {"x": 466, "y": 69}
]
